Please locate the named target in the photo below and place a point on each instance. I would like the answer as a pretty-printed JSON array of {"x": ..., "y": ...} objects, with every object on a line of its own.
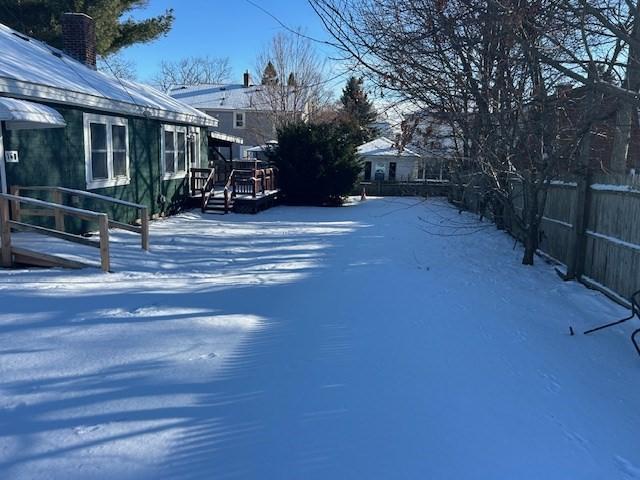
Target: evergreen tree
[
  {"x": 41, "y": 19},
  {"x": 317, "y": 163},
  {"x": 291, "y": 81},
  {"x": 269, "y": 76},
  {"x": 358, "y": 111}
]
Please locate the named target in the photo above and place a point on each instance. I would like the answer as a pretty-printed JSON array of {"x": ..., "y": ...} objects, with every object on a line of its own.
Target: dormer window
[{"x": 239, "y": 120}]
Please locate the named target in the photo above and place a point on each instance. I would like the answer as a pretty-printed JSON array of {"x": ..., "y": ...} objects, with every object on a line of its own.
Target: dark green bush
[{"x": 317, "y": 164}]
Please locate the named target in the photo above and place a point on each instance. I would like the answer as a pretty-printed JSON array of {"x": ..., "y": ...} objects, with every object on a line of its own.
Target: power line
[{"x": 285, "y": 26}]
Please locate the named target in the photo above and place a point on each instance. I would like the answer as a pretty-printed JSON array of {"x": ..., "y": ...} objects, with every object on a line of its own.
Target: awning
[
  {"x": 24, "y": 115},
  {"x": 224, "y": 137}
]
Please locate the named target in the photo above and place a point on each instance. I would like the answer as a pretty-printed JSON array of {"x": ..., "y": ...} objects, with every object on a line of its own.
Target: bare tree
[
  {"x": 192, "y": 71},
  {"x": 481, "y": 64},
  {"x": 294, "y": 77},
  {"x": 118, "y": 66}
]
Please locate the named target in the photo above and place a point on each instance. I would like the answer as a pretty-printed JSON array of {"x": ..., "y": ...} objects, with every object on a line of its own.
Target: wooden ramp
[{"x": 12, "y": 218}]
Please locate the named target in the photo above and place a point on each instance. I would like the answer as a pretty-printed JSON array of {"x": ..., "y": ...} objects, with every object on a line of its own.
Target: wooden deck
[{"x": 243, "y": 191}]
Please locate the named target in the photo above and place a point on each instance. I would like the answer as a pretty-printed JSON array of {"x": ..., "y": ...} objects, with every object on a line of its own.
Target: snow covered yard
[{"x": 392, "y": 339}]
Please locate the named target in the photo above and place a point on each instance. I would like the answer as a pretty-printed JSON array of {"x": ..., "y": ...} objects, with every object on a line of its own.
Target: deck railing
[
  {"x": 9, "y": 253},
  {"x": 58, "y": 196}
]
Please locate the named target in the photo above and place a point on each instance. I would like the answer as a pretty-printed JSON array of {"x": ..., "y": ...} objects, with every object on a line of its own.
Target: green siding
[{"x": 55, "y": 157}]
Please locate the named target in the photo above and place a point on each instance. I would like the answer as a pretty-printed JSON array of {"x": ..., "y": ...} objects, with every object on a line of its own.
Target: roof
[
  {"x": 225, "y": 97},
  {"x": 383, "y": 147},
  {"x": 19, "y": 114},
  {"x": 34, "y": 70},
  {"x": 225, "y": 137}
]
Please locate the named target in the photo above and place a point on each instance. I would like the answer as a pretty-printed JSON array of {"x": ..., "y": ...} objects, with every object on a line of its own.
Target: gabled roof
[
  {"x": 384, "y": 147},
  {"x": 226, "y": 97},
  {"x": 34, "y": 70}
]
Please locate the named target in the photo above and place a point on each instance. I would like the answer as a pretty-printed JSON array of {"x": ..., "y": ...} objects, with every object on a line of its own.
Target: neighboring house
[
  {"x": 383, "y": 161},
  {"x": 109, "y": 136},
  {"x": 242, "y": 110},
  {"x": 430, "y": 135}
]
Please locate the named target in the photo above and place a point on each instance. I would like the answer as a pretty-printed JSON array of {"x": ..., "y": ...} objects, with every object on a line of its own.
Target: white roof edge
[
  {"x": 226, "y": 137},
  {"x": 31, "y": 91}
]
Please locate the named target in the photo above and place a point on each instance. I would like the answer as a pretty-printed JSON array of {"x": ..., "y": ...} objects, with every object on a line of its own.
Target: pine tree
[
  {"x": 291, "y": 81},
  {"x": 269, "y": 76},
  {"x": 41, "y": 19},
  {"x": 358, "y": 110}
]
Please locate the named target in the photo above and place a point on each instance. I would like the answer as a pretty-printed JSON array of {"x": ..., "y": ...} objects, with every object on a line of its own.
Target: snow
[
  {"x": 603, "y": 187},
  {"x": 227, "y": 97},
  {"x": 22, "y": 114},
  {"x": 615, "y": 240},
  {"x": 384, "y": 147},
  {"x": 389, "y": 339},
  {"x": 27, "y": 65}
]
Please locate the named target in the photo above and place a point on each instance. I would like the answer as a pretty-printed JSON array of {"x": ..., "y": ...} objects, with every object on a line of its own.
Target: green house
[{"x": 66, "y": 124}]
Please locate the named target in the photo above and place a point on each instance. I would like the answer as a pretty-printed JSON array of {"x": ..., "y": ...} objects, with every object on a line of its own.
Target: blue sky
[{"x": 222, "y": 28}]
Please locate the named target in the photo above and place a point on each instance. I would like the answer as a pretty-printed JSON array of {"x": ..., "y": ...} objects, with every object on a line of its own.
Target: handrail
[
  {"x": 6, "y": 225},
  {"x": 207, "y": 189},
  {"x": 143, "y": 230}
]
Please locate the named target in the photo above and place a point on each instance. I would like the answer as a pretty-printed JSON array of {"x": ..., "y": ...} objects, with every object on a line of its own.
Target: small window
[
  {"x": 174, "y": 152},
  {"x": 239, "y": 120},
  {"x": 106, "y": 151}
]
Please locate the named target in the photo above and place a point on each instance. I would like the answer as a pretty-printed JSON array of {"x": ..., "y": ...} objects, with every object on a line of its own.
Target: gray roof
[{"x": 34, "y": 70}]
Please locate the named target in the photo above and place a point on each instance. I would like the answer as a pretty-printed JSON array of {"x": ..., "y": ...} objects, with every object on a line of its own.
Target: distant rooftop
[
  {"x": 384, "y": 147},
  {"x": 224, "y": 97}
]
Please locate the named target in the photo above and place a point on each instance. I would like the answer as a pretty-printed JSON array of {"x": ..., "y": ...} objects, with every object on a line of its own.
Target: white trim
[
  {"x": 244, "y": 120},
  {"x": 33, "y": 91},
  {"x": 194, "y": 150},
  {"x": 176, "y": 174},
  {"x": 3, "y": 170},
  {"x": 109, "y": 122}
]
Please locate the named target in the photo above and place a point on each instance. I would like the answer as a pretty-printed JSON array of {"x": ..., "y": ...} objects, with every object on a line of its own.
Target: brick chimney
[
  {"x": 247, "y": 79},
  {"x": 79, "y": 38}
]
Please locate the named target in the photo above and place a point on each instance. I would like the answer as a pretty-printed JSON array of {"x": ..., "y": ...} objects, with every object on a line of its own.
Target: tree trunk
[{"x": 624, "y": 114}]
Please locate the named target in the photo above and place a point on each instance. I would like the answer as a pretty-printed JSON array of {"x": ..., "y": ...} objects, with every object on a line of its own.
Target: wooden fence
[{"x": 609, "y": 257}]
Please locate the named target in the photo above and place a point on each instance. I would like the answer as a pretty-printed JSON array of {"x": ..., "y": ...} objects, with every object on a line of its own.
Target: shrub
[{"x": 317, "y": 163}]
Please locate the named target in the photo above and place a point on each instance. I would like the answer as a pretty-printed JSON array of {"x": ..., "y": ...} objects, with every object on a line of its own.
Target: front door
[{"x": 392, "y": 171}]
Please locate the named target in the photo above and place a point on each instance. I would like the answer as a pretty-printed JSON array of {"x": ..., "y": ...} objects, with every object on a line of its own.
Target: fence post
[
  {"x": 59, "y": 216},
  {"x": 5, "y": 232},
  {"x": 577, "y": 248},
  {"x": 144, "y": 226},
  {"x": 103, "y": 223}
]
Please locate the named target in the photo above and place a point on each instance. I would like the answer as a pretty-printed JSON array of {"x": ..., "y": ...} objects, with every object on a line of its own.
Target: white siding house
[{"x": 383, "y": 161}]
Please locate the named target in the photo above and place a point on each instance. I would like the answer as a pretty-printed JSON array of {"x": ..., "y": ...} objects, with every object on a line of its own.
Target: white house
[{"x": 383, "y": 161}]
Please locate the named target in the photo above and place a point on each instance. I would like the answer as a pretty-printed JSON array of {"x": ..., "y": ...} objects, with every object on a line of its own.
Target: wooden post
[
  {"x": 103, "y": 223},
  {"x": 5, "y": 232},
  {"x": 226, "y": 200},
  {"x": 144, "y": 225},
  {"x": 15, "y": 206},
  {"x": 59, "y": 215},
  {"x": 3, "y": 169}
]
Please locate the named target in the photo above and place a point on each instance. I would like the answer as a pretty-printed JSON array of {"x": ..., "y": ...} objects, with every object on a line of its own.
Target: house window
[
  {"x": 174, "y": 152},
  {"x": 106, "y": 142},
  {"x": 239, "y": 120}
]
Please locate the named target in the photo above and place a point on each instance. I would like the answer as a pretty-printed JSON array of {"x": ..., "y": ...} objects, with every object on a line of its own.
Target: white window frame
[
  {"x": 194, "y": 141},
  {"x": 176, "y": 174},
  {"x": 109, "y": 122},
  {"x": 244, "y": 120}
]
